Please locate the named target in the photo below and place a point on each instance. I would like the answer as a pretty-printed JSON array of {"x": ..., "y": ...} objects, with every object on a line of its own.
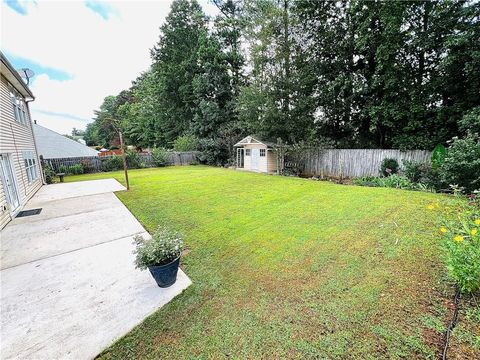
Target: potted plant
[{"x": 160, "y": 254}]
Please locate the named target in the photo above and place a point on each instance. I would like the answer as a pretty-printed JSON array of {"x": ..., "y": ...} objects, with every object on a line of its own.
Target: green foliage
[
  {"x": 112, "y": 163},
  {"x": 164, "y": 246},
  {"x": 438, "y": 156},
  {"x": 133, "y": 159},
  {"x": 75, "y": 169},
  {"x": 470, "y": 122},
  {"x": 160, "y": 156},
  {"x": 49, "y": 174},
  {"x": 423, "y": 173},
  {"x": 389, "y": 167},
  {"x": 461, "y": 230},
  {"x": 462, "y": 163},
  {"x": 186, "y": 143},
  {"x": 392, "y": 181}
]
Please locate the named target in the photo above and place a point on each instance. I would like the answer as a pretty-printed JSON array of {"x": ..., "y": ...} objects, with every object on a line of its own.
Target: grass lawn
[{"x": 291, "y": 268}]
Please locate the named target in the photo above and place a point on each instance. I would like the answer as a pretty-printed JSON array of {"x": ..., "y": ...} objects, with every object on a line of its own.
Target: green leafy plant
[
  {"x": 133, "y": 159},
  {"x": 438, "y": 156},
  {"x": 461, "y": 244},
  {"x": 461, "y": 165},
  {"x": 161, "y": 156},
  {"x": 164, "y": 246},
  {"x": 392, "y": 181},
  {"x": 423, "y": 174},
  {"x": 389, "y": 167},
  {"x": 76, "y": 169},
  {"x": 186, "y": 143},
  {"x": 112, "y": 163},
  {"x": 49, "y": 174}
]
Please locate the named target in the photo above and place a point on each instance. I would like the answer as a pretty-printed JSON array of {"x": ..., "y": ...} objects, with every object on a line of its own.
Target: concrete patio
[{"x": 69, "y": 287}]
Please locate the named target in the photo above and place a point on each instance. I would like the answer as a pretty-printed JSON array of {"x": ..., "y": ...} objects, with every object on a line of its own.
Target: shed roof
[
  {"x": 53, "y": 145},
  {"x": 253, "y": 140}
]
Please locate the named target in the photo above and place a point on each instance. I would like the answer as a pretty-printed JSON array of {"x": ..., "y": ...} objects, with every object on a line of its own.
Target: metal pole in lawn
[{"x": 124, "y": 156}]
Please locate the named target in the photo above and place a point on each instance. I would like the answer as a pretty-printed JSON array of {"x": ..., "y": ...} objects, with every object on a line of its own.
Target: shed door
[
  {"x": 255, "y": 158},
  {"x": 8, "y": 181}
]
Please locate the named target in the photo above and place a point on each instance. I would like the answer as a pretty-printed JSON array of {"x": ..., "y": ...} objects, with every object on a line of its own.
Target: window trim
[
  {"x": 248, "y": 152},
  {"x": 20, "y": 113},
  {"x": 31, "y": 167},
  {"x": 264, "y": 152}
]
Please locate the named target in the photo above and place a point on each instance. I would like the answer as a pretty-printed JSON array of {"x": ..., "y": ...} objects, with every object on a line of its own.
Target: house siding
[{"x": 14, "y": 139}]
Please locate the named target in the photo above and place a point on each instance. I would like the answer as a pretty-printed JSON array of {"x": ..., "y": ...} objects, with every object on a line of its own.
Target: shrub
[
  {"x": 392, "y": 181},
  {"x": 470, "y": 122},
  {"x": 438, "y": 156},
  {"x": 49, "y": 174},
  {"x": 164, "y": 246},
  {"x": 422, "y": 173},
  {"x": 461, "y": 244},
  {"x": 75, "y": 169},
  {"x": 389, "y": 167},
  {"x": 186, "y": 143},
  {"x": 133, "y": 159},
  {"x": 462, "y": 163},
  {"x": 112, "y": 163},
  {"x": 161, "y": 156},
  {"x": 213, "y": 152}
]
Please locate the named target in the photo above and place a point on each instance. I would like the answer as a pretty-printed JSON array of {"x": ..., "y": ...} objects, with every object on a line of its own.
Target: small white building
[{"x": 256, "y": 155}]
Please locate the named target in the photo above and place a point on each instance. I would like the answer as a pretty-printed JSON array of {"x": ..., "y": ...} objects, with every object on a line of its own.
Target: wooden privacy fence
[
  {"x": 350, "y": 163},
  {"x": 96, "y": 163}
]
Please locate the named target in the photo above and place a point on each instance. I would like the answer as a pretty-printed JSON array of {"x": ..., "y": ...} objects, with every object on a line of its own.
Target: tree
[{"x": 175, "y": 66}]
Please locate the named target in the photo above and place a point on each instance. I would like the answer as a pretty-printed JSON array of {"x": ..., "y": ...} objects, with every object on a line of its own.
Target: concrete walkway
[{"x": 68, "y": 284}]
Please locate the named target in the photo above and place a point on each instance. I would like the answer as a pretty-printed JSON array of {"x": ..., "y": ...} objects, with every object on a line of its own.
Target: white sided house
[
  {"x": 20, "y": 171},
  {"x": 256, "y": 155}
]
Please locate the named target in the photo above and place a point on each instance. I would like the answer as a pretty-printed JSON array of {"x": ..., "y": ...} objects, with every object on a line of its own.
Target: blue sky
[
  {"x": 80, "y": 51},
  {"x": 20, "y": 62}
]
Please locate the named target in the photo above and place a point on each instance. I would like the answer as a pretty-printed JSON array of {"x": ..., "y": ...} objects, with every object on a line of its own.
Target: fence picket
[{"x": 349, "y": 163}]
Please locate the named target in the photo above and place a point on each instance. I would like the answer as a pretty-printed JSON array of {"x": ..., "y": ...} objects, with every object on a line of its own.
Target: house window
[
  {"x": 262, "y": 152},
  {"x": 30, "y": 166},
  {"x": 247, "y": 152},
  {"x": 19, "y": 106}
]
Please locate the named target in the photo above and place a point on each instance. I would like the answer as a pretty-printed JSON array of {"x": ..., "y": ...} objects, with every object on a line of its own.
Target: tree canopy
[{"x": 371, "y": 74}]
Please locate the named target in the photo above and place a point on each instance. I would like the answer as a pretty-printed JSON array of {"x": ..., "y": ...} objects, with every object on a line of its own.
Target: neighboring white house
[
  {"x": 20, "y": 171},
  {"x": 52, "y": 145},
  {"x": 256, "y": 155}
]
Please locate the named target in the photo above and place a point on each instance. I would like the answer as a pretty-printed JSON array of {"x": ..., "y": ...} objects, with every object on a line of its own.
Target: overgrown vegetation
[{"x": 461, "y": 235}]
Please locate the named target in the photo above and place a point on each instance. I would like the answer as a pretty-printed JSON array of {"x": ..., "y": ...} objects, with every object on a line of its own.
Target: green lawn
[{"x": 284, "y": 267}]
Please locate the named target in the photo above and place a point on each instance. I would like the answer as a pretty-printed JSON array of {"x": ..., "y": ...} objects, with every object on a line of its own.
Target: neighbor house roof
[
  {"x": 14, "y": 78},
  {"x": 252, "y": 140},
  {"x": 53, "y": 145}
]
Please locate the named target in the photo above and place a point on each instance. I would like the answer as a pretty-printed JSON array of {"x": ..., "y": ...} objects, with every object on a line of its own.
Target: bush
[
  {"x": 186, "y": 143},
  {"x": 112, "y": 163},
  {"x": 133, "y": 159},
  {"x": 76, "y": 169},
  {"x": 49, "y": 174},
  {"x": 161, "y": 156},
  {"x": 213, "y": 152},
  {"x": 389, "y": 167},
  {"x": 392, "y": 181},
  {"x": 462, "y": 163},
  {"x": 461, "y": 244},
  {"x": 438, "y": 156},
  {"x": 422, "y": 173},
  {"x": 164, "y": 246}
]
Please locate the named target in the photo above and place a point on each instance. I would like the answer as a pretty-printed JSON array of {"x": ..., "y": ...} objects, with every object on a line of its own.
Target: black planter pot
[{"x": 165, "y": 275}]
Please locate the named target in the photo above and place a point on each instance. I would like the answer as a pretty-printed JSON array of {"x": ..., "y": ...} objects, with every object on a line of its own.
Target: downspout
[{"x": 34, "y": 140}]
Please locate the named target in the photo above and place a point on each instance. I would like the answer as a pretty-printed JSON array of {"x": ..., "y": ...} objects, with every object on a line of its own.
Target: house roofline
[{"x": 14, "y": 78}]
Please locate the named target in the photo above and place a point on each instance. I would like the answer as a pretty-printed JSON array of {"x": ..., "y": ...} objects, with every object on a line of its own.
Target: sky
[{"x": 80, "y": 51}]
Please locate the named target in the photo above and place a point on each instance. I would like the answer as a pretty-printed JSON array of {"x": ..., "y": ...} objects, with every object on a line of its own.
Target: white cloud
[{"x": 103, "y": 56}]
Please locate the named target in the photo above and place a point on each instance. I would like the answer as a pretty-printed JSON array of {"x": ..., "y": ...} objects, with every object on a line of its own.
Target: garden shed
[{"x": 256, "y": 155}]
